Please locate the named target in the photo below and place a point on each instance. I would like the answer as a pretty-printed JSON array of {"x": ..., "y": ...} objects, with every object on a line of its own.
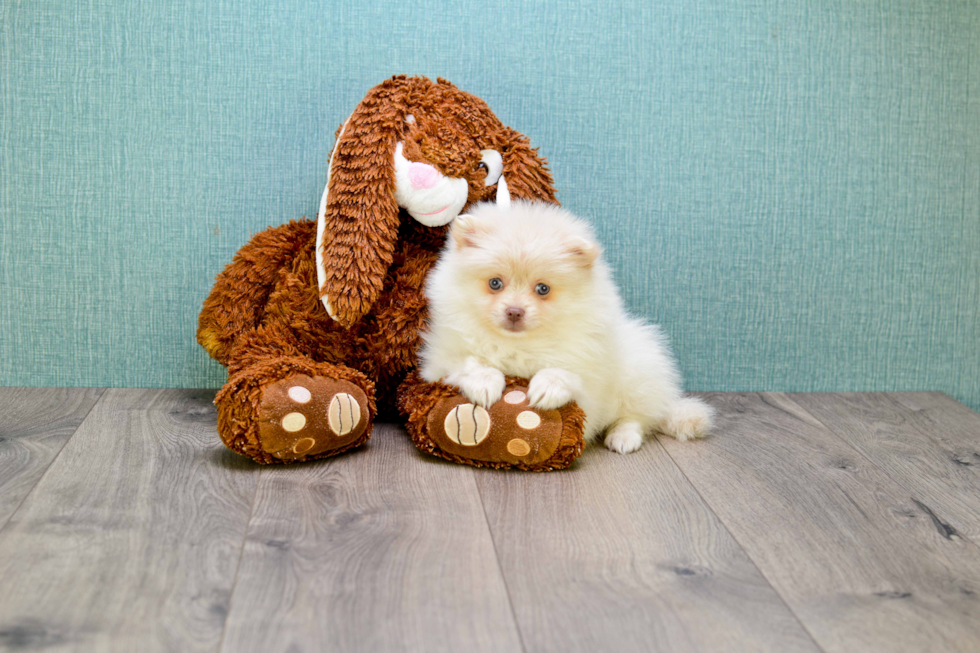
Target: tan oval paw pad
[
  {"x": 518, "y": 447},
  {"x": 304, "y": 445},
  {"x": 467, "y": 424},
  {"x": 529, "y": 420},
  {"x": 294, "y": 422},
  {"x": 344, "y": 413}
]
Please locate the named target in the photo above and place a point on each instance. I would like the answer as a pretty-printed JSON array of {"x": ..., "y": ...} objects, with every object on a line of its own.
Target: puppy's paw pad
[{"x": 624, "y": 439}]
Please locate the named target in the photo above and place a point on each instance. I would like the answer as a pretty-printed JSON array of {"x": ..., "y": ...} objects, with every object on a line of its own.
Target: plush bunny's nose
[{"x": 423, "y": 176}]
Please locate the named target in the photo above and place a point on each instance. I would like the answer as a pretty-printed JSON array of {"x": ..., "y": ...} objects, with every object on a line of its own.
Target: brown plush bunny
[{"x": 318, "y": 323}]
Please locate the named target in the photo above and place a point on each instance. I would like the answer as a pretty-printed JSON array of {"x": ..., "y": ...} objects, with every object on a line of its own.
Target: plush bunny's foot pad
[
  {"x": 301, "y": 416},
  {"x": 507, "y": 434}
]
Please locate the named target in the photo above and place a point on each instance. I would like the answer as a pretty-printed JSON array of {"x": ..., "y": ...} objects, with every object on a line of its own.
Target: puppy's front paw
[
  {"x": 624, "y": 438},
  {"x": 483, "y": 386},
  {"x": 552, "y": 388}
]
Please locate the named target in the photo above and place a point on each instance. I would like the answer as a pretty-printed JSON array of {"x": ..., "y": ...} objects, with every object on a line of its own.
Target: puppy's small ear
[
  {"x": 466, "y": 231},
  {"x": 583, "y": 252}
]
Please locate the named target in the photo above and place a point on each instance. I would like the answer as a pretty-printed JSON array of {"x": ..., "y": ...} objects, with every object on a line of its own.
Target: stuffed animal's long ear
[
  {"x": 358, "y": 221},
  {"x": 526, "y": 172}
]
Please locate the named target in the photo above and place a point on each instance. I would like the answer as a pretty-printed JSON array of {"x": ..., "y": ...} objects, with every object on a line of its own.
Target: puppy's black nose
[{"x": 515, "y": 314}]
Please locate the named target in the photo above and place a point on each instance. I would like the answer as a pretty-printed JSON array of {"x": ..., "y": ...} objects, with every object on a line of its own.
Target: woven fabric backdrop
[{"x": 791, "y": 188}]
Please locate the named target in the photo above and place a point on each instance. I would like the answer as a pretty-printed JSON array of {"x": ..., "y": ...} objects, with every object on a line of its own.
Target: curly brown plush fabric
[{"x": 264, "y": 319}]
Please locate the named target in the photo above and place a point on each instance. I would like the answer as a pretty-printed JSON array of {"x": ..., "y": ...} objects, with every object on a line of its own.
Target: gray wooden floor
[{"x": 825, "y": 522}]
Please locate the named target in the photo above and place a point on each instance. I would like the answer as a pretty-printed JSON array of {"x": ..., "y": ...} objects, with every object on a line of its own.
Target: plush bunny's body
[{"x": 318, "y": 322}]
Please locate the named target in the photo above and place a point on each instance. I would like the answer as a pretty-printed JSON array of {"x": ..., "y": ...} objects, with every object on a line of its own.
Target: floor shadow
[{"x": 222, "y": 456}]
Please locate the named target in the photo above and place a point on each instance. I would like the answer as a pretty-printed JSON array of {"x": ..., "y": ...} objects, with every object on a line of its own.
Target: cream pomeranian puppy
[{"x": 523, "y": 291}]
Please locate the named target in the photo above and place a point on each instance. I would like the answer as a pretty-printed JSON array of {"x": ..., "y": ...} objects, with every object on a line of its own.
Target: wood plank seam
[
  {"x": 877, "y": 578},
  {"x": 128, "y": 541},
  {"x": 740, "y": 545},
  {"x": 379, "y": 549},
  {"x": 942, "y": 524},
  {"x": 101, "y": 392},
  {"x": 500, "y": 568},
  {"x": 238, "y": 563}
]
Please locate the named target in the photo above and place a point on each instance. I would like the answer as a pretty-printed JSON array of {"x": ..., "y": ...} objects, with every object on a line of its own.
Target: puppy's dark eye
[
  {"x": 496, "y": 284},
  {"x": 542, "y": 289},
  {"x": 482, "y": 166}
]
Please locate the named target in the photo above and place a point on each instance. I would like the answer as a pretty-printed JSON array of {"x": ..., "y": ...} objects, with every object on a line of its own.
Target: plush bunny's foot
[
  {"x": 302, "y": 416},
  {"x": 510, "y": 433},
  {"x": 286, "y": 409}
]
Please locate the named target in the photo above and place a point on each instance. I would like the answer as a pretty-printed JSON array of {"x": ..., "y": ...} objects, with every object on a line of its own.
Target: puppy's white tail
[{"x": 688, "y": 418}]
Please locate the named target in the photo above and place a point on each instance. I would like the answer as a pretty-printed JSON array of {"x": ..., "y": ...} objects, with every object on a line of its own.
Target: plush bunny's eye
[
  {"x": 496, "y": 284},
  {"x": 493, "y": 163},
  {"x": 542, "y": 289}
]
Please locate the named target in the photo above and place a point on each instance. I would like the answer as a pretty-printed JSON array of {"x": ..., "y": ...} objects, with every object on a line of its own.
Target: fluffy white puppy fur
[{"x": 523, "y": 291}]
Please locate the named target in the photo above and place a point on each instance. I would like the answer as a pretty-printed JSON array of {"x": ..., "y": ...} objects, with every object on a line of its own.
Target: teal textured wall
[{"x": 791, "y": 188}]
